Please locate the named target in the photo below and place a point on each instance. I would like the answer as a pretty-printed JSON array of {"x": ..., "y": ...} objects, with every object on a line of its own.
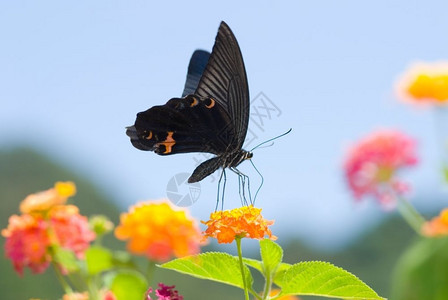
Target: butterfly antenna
[
  {"x": 262, "y": 179},
  {"x": 270, "y": 140},
  {"x": 267, "y": 146}
]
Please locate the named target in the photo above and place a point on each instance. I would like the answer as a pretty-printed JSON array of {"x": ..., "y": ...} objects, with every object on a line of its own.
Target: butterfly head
[{"x": 248, "y": 155}]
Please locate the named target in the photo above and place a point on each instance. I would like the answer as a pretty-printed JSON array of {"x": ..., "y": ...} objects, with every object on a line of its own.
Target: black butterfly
[{"x": 212, "y": 115}]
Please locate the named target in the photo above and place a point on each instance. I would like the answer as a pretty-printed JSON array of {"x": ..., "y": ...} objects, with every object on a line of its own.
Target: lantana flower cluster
[
  {"x": 438, "y": 226},
  {"x": 424, "y": 82},
  {"x": 46, "y": 222},
  {"x": 103, "y": 295},
  {"x": 242, "y": 222},
  {"x": 159, "y": 231},
  {"x": 372, "y": 163}
]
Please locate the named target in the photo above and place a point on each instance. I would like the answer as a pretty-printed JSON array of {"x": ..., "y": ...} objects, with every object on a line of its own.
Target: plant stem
[
  {"x": 92, "y": 285},
  {"x": 254, "y": 293},
  {"x": 150, "y": 270},
  {"x": 267, "y": 286},
  {"x": 441, "y": 117},
  {"x": 60, "y": 277},
  {"x": 410, "y": 214},
  {"x": 240, "y": 257},
  {"x": 78, "y": 281}
]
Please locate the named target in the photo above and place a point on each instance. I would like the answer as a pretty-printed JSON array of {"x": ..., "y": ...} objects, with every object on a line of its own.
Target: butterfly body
[
  {"x": 212, "y": 116},
  {"x": 227, "y": 160}
]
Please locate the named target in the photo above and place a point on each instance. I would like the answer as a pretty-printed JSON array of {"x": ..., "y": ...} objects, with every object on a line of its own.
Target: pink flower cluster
[
  {"x": 71, "y": 229},
  {"x": 27, "y": 242},
  {"x": 372, "y": 163},
  {"x": 46, "y": 222}
]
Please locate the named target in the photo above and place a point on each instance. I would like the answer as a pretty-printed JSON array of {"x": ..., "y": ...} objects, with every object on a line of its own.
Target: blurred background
[{"x": 74, "y": 75}]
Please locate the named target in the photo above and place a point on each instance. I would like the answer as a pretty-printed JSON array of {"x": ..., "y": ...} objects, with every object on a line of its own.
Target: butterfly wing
[
  {"x": 214, "y": 119},
  {"x": 182, "y": 125},
  {"x": 224, "y": 79},
  {"x": 196, "y": 68}
]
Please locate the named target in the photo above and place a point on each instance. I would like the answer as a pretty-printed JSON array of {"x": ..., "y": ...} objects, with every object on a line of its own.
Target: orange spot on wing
[
  {"x": 168, "y": 143},
  {"x": 212, "y": 103},
  {"x": 149, "y": 135},
  {"x": 195, "y": 102}
]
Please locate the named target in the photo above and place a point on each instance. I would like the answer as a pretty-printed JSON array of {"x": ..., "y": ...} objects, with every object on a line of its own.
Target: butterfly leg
[
  {"x": 223, "y": 175},
  {"x": 240, "y": 186},
  {"x": 242, "y": 178}
]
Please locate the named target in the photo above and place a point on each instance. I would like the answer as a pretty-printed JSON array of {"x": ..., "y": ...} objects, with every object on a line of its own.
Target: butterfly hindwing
[{"x": 182, "y": 125}]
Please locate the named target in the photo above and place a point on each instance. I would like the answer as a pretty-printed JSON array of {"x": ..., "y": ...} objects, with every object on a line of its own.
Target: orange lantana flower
[
  {"x": 424, "y": 83},
  {"x": 245, "y": 221},
  {"x": 43, "y": 201},
  {"x": 438, "y": 226},
  {"x": 159, "y": 230},
  {"x": 275, "y": 292}
]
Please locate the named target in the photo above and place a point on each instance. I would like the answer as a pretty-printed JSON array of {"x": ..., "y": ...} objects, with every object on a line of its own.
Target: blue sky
[{"x": 73, "y": 75}]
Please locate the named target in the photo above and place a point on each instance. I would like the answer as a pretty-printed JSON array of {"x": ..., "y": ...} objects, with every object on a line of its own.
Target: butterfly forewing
[{"x": 225, "y": 80}]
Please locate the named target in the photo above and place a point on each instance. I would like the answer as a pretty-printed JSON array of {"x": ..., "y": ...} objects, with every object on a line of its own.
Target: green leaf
[
  {"x": 98, "y": 260},
  {"x": 66, "y": 258},
  {"x": 323, "y": 279},
  {"x": 271, "y": 255},
  {"x": 215, "y": 266},
  {"x": 281, "y": 270},
  {"x": 129, "y": 285},
  {"x": 122, "y": 259},
  {"x": 258, "y": 265},
  {"x": 421, "y": 270}
]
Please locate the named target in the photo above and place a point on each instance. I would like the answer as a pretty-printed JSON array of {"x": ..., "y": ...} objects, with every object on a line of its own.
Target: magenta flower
[
  {"x": 372, "y": 163},
  {"x": 164, "y": 292}
]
